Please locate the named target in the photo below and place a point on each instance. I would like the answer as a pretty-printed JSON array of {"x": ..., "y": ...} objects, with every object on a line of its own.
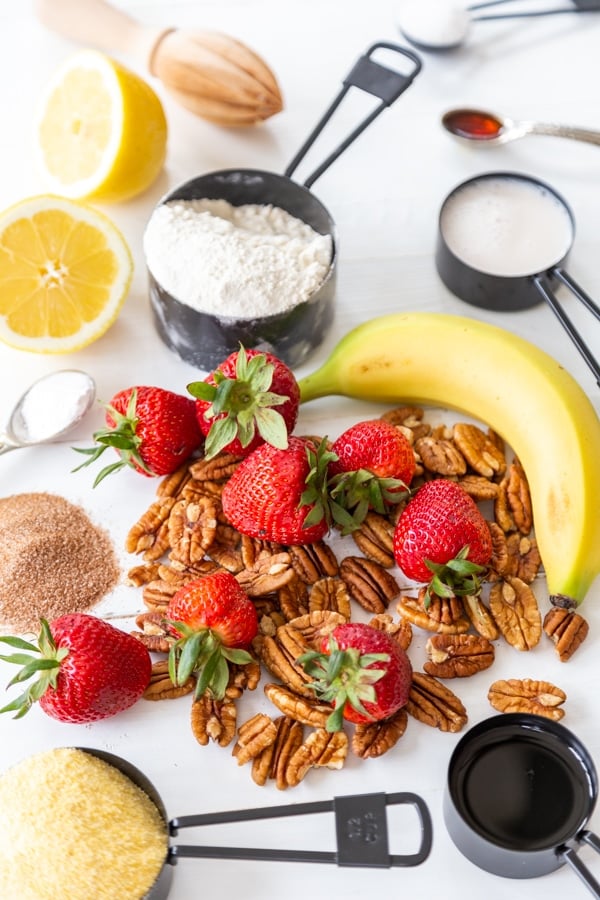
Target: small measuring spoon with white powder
[{"x": 50, "y": 408}]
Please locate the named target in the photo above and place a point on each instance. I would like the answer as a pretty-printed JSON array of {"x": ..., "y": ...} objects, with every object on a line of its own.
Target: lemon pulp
[
  {"x": 64, "y": 274},
  {"x": 101, "y": 131}
]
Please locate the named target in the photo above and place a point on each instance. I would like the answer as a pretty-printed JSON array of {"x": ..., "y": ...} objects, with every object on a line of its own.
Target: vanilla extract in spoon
[{"x": 484, "y": 127}]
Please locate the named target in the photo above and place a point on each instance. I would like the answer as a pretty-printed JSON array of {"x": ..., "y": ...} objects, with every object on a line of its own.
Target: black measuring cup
[
  {"x": 519, "y": 793},
  {"x": 205, "y": 339},
  {"x": 487, "y": 252},
  {"x": 361, "y": 829}
]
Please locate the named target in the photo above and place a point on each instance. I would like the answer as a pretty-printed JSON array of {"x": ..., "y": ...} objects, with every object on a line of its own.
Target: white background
[{"x": 384, "y": 194}]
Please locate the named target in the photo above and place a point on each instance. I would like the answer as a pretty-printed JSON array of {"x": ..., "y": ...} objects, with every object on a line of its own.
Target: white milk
[{"x": 506, "y": 226}]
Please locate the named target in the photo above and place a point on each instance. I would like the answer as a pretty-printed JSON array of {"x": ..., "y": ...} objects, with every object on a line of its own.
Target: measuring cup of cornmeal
[
  {"x": 114, "y": 829},
  {"x": 246, "y": 256},
  {"x": 503, "y": 242}
]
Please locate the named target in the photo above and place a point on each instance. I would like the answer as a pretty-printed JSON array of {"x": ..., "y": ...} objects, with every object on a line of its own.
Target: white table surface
[{"x": 384, "y": 194}]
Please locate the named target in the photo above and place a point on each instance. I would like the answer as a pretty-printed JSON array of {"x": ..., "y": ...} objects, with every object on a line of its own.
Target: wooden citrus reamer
[{"x": 209, "y": 73}]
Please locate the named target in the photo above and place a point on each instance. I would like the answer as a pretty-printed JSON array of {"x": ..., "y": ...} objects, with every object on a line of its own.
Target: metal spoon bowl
[
  {"x": 49, "y": 408},
  {"x": 444, "y": 25},
  {"x": 495, "y": 130}
]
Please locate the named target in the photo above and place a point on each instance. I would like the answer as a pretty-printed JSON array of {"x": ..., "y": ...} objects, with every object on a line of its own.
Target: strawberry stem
[
  {"x": 241, "y": 406},
  {"x": 43, "y": 660},
  {"x": 456, "y": 578},
  {"x": 343, "y": 677},
  {"x": 200, "y": 652}
]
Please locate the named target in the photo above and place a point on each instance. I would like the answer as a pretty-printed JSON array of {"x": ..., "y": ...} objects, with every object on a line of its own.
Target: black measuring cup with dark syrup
[{"x": 520, "y": 791}]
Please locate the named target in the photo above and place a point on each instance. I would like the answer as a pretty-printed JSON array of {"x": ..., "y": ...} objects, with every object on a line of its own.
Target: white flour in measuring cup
[
  {"x": 240, "y": 261},
  {"x": 506, "y": 226}
]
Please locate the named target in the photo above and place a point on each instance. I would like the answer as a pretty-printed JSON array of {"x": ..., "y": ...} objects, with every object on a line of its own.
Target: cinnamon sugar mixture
[{"x": 53, "y": 560}]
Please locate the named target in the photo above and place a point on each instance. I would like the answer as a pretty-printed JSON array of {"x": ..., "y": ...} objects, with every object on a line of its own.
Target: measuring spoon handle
[{"x": 588, "y": 135}]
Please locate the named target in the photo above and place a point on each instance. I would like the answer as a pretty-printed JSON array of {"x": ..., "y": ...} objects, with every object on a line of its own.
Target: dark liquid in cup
[{"x": 523, "y": 794}]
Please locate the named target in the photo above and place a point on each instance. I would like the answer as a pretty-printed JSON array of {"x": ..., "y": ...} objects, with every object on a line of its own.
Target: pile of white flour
[{"x": 239, "y": 261}]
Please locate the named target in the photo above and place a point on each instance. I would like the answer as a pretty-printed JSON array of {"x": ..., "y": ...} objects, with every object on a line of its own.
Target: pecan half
[
  {"x": 526, "y": 695},
  {"x": 567, "y": 629},
  {"x": 157, "y": 594},
  {"x": 440, "y": 456},
  {"x": 273, "y": 761},
  {"x": 162, "y": 688},
  {"x": 293, "y": 598},
  {"x": 192, "y": 529},
  {"x": 480, "y": 451},
  {"x": 400, "y": 631},
  {"x": 268, "y": 573},
  {"x": 375, "y": 539},
  {"x": 299, "y": 708},
  {"x": 154, "y": 632},
  {"x": 479, "y": 487},
  {"x": 142, "y": 574},
  {"x": 515, "y": 609},
  {"x": 480, "y": 617},
  {"x": 316, "y": 625},
  {"x": 320, "y": 749},
  {"x": 444, "y": 615},
  {"x": 373, "y": 739},
  {"x": 368, "y": 583},
  {"x": 219, "y": 468},
  {"x": 458, "y": 655},
  {"x": 313, "y": 561},
  {"x": 172, "y": 485},
  {"x": 213, "y": 720},
  {"x": 150, "y": 534},
  {"x": 253, "y": 736},
  {"x": 434, "y": 704},
  {"x": 277, "y": 659},
  {"x": 330, "y": 593},
  {"x": 519, "y": 498}
]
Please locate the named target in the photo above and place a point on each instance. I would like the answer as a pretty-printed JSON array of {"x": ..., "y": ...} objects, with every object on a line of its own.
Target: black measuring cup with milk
[
  {"x": 361, "y": 829},
  {"x": 520, "y": 791},
  {"x": 503, "y": 243},
  {"x": 205, "y": 339}
]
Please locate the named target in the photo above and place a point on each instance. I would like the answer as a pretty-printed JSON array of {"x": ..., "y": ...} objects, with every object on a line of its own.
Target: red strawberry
[
  {"x": 281, "y": 495},
  {"x": 442, "y": 532},
  {"x": 374, "y": 467},
  {"x": 377, "y": 446},
  {"x": 362, "y": 671},
  {"x": 152, "y": 430},
  {"x": 235, "y": 403},
  {"x": 212, "y": 618},
  {"x": 87, "y": 669}
]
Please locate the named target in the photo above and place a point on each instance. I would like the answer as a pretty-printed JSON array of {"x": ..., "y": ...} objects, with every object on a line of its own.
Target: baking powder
[{"x": 235, "y": 261}]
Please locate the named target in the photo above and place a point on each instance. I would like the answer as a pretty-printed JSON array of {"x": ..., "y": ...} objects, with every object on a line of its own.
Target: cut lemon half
[
  {"x": 101, "y": 131},
  {"x": 65, "y": 270}
]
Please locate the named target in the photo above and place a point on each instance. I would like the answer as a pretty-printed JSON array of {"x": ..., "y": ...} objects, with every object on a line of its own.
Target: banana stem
[{"x": 321, "y": 383}]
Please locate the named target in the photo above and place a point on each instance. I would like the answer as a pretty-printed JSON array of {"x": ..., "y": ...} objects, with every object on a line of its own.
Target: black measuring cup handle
[
  {"x": 361, "y": 829},
  {"x": 542, "y": 284},
  {"x": 570, "y": 856},
  {"x": 370, "y": 76}
]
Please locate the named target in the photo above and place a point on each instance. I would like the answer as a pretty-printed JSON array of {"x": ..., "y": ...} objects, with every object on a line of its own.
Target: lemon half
[
  {"x": 65, "y": 270},
  {"x": 101, "y": 131}
]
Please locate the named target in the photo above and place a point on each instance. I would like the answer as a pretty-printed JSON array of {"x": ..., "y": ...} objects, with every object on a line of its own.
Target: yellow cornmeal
[{"x": 74, "y": 827}]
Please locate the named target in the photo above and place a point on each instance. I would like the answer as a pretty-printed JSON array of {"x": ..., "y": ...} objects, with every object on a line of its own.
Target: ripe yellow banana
[{"x": 520, "y": 391}]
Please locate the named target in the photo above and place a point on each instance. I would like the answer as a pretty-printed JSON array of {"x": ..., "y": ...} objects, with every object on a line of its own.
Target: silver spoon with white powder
[
  {"x": 51, "y": 407},
  {"x": 440, "y": 25}
]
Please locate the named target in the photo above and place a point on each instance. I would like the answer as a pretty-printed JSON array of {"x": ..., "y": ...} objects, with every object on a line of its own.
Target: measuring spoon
[
  {"x": 483, "y": 127},
  {"x": 50, "y": 407},
  {"x": 441, "y": 26}
]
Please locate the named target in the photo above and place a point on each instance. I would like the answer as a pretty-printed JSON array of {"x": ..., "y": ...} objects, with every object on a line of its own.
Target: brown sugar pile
[{"x": 53, "y": 560}]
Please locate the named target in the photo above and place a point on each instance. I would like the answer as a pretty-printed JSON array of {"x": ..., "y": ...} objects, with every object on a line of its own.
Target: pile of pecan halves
[{"x": 302, "y": 592}]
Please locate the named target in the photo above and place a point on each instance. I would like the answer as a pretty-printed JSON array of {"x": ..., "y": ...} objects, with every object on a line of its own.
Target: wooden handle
[{"x": 98, "y": 24}]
